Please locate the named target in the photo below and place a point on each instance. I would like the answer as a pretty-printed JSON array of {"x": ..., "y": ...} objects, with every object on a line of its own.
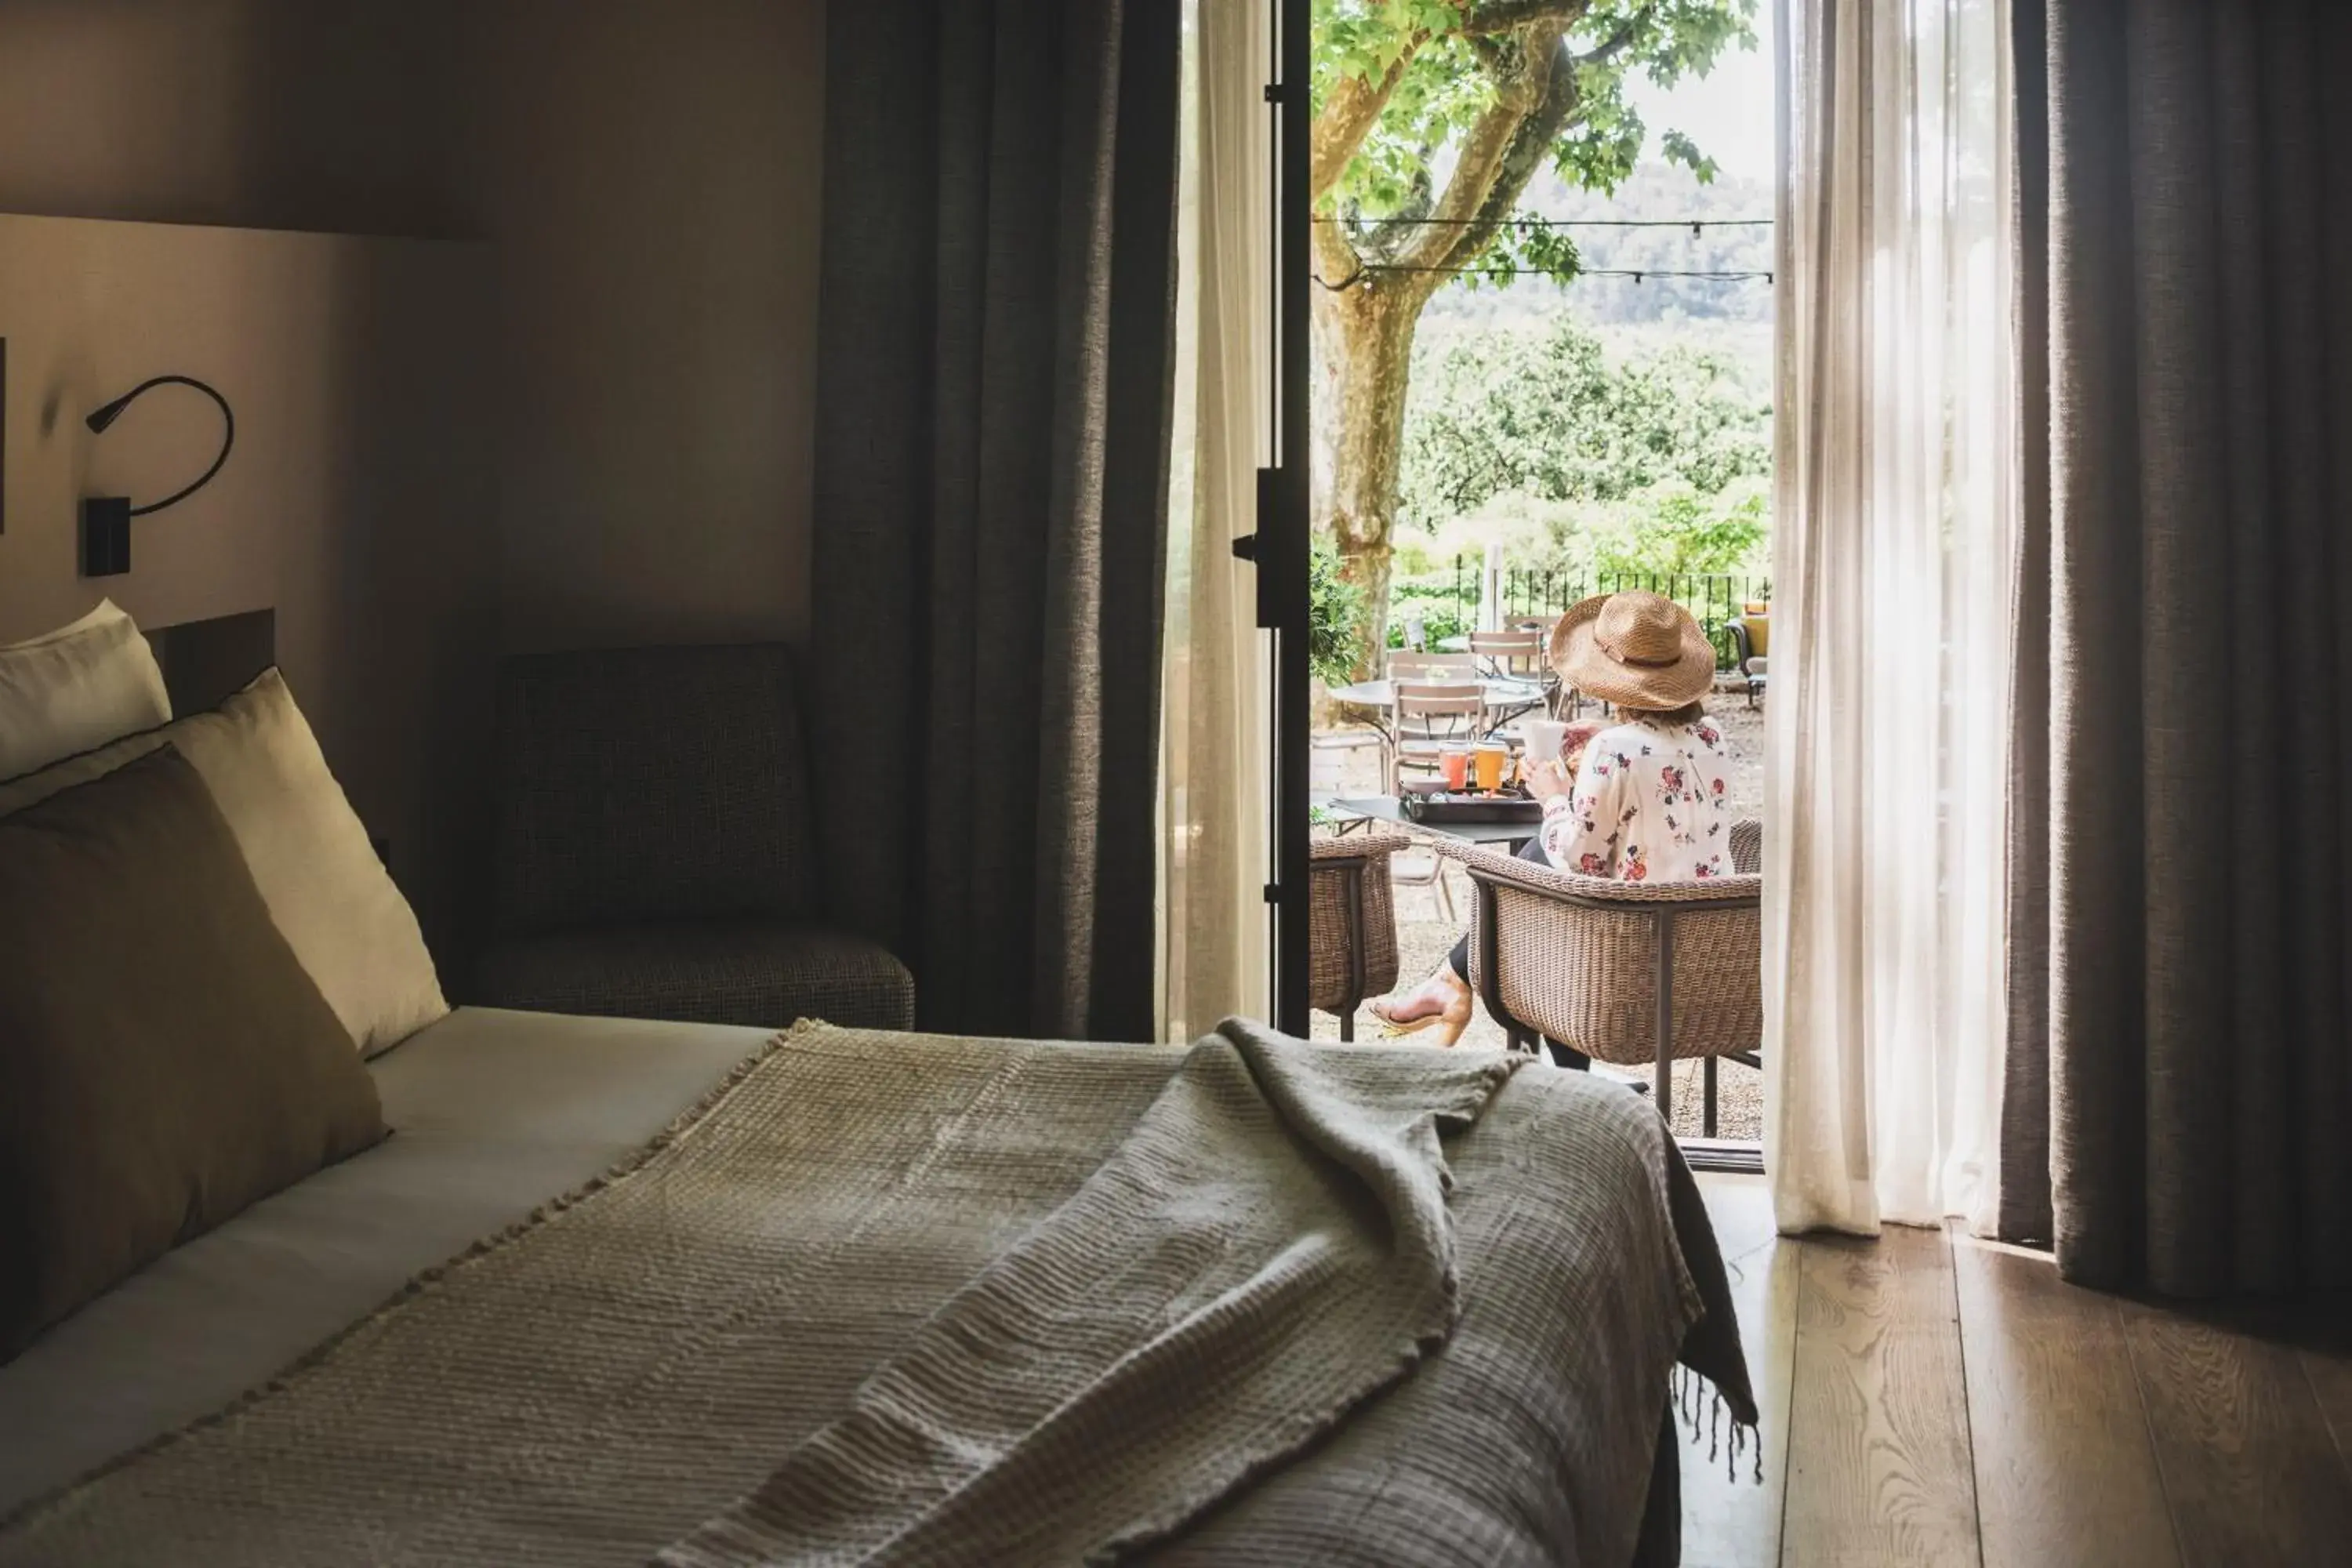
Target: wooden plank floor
[{"x": 1932, "y": 1399}]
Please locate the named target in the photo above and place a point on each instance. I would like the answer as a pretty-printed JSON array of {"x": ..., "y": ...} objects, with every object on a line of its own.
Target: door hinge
[{"x": 1274, "y": 892}]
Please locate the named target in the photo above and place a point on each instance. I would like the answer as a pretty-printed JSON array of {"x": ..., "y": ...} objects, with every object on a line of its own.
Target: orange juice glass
[{"x": 1489, "y": 759}]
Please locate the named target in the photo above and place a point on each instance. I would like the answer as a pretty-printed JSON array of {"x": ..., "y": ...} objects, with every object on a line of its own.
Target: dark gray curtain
[
  {"x": 2179, "y": 1105},
  {"x": 993, "y": 406}
]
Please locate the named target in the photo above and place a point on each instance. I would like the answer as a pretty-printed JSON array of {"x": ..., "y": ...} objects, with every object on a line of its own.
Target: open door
[{"x": 1279, "y": 547}]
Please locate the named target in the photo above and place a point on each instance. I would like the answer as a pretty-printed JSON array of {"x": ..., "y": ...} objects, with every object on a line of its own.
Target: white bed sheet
[{"x": 492, "y": 1113}]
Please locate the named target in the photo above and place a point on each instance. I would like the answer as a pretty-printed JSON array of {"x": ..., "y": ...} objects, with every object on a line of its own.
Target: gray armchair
[{"x": 656, "y": 854}]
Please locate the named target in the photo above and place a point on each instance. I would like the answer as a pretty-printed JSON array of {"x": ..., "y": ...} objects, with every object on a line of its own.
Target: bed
[{"x": 1539, "y": 1430}]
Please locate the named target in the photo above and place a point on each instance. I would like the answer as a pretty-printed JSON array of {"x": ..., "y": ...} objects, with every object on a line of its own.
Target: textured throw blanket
[
  {"x": 1267, "y": 1248},
  {"x": 892, "y": 1298}
]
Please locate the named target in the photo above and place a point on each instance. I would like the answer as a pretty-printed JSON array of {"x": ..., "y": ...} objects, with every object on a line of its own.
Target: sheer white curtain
[
  {"x": 1887, "y": 758},
  {"x": 1213, "y": 795}
]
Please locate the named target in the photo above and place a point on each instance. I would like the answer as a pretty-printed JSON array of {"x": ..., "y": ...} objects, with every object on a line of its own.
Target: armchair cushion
[
  {"x": 643, "y": 784},
  {"x": 756, "y": 973}
]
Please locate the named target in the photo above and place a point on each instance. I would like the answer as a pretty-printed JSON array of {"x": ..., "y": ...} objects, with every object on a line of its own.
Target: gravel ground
[{"x": 1425, "y": 936}]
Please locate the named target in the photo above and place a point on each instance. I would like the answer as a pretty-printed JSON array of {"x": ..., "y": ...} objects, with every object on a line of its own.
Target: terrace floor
[{"x": 1424, "y": 934}]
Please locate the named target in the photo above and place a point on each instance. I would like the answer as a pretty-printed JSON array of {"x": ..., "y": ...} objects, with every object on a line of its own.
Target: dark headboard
[{"x": 207, "y": 661}]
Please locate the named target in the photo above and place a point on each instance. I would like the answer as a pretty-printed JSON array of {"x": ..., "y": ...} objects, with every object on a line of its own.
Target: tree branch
[
  {"x": 1531, "y": 143},
  {"x": 1502, "y": 15},
  {"x": 1611, "y": 47},
  {"x": 1351, "y": 109},
  {"x": 1525, "y": 86},
  {"x": 1337, "y": 264}
]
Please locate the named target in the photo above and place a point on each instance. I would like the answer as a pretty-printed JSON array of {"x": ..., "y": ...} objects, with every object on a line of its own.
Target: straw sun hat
[{"x": 1634, "y": 649}]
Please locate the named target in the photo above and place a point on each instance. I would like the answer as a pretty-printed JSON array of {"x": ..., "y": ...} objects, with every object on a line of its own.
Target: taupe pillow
[
  {"x": 165, "y": 1061},
  {"x": 331, "y": 897}
]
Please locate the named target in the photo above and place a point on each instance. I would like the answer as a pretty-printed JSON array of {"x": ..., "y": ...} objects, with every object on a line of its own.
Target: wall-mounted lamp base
[{"x": 105, "y": 536}]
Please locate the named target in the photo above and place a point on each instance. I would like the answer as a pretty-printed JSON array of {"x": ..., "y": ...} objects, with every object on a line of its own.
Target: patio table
[
  {"x": 1506, "y": 702},
  {"x": 1364, "y": 809}
]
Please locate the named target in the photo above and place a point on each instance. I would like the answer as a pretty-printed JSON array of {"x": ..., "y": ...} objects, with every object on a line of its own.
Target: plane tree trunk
[
  {"x": 1373, "y": 279},
  {"x": 1367, "y": 334}
]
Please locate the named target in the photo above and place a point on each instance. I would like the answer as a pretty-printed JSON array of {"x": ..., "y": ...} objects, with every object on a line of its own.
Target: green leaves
[
  {"x": 1335, "y": 616},
  {"x": 1674, "y": 529},
  {"x": 1447, "y": 82},
  {"x": 1527, "y": 244},
  {"x": 1550, "y": 417},
  {"x": 1680, "y": 149}
]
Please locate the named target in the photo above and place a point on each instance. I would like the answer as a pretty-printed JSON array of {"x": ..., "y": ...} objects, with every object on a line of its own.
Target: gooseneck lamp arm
[
  {"x": 100, "y": 420},
  {"x": 106, "y": 520}
]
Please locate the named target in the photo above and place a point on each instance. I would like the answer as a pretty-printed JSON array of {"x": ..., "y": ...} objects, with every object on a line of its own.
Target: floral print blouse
[{"x": 1648, "y": 805}]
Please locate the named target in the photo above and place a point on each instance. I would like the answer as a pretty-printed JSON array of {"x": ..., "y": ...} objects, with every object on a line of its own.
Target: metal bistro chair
[
  {"x": 1561, "y": 700},
  {"x": 1423, "y": 866},
  {"x": 1508, "y": 656},
  {"x": 1404, "y": 664},
  {"x": 1624, "y": 972},
  {"x": 1515, "y": 655},
  {"x": 1541, "y": 626},
  {"x": 1351, "y": 923},
  {"x": 1429, "y": 716}
]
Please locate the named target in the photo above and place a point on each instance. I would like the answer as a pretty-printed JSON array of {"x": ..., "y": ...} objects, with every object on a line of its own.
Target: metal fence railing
[{"x": 1442, "y": 604}]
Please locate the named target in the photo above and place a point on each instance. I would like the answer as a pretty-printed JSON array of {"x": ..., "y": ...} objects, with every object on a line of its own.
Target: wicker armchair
[
  {"x": 1351, "y": 923},
  {"x": 1624, "y": 972}
]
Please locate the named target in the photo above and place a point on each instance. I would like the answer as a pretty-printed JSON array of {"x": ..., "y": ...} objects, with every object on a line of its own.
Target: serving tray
[{"x": 1438, "y": 806}]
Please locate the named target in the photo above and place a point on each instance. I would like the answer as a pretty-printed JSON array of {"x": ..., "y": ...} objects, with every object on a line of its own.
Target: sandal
[{"x": 1452, "y": 1018}]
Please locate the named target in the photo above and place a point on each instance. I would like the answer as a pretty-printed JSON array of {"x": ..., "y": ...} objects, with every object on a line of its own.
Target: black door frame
[{"x": 1279, "y": 547}]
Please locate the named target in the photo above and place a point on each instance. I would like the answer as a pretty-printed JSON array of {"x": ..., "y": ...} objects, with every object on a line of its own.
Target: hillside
[{"x": 1656, "y": 192}]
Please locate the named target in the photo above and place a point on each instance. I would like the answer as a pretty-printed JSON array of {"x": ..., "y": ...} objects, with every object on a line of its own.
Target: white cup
[{"x": 1543, "y": 738}]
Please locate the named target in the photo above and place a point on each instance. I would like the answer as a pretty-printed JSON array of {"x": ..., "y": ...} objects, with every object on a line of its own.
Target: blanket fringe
[{"x": 1689, "y": 1392}]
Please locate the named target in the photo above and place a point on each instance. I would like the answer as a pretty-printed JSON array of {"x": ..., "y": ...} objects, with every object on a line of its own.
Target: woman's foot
[{"x": 1442, "y": 1003}]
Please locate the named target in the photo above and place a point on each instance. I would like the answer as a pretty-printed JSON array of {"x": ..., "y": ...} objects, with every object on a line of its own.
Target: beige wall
[
  {"x": 647, "y": 173},
  {"x": 324, "y": 114},
  {"x": 650, "y": 173},
  {"x": 351, "y": 506},
  {"x": 645, "y": 178}
]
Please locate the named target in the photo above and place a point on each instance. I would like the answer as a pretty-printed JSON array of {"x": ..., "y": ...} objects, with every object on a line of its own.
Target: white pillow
[
  {"x": 78, "y": 687},
  {"x": 332, "y": 898}
]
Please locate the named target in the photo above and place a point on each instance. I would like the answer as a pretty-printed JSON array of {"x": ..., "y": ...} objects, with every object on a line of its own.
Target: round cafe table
[{"x": 1506, "y": 701}]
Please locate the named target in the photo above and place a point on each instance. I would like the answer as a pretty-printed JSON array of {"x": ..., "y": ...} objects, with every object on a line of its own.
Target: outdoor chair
[
  {"x": 1404, "y": 664},
  {"x": 1748, "y": 635},
  {"x": 1429, "y": 716},
  {"x": 1351, "y": 923},
  {"x": 1540, "y": 626},
  {"x": 1508, "y": 656},
  {"x": 1423, "y": 866},
  {"x": 657, "y": 852},
  {"x": 1623, "y": 973}
]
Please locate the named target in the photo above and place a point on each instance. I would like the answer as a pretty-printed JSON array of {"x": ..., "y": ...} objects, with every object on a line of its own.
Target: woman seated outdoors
[{"x": 1646, "y": 804}]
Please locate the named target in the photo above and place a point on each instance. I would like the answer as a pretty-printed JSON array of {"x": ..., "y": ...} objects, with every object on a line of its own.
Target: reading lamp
[{"x": 106, "y": 520}]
